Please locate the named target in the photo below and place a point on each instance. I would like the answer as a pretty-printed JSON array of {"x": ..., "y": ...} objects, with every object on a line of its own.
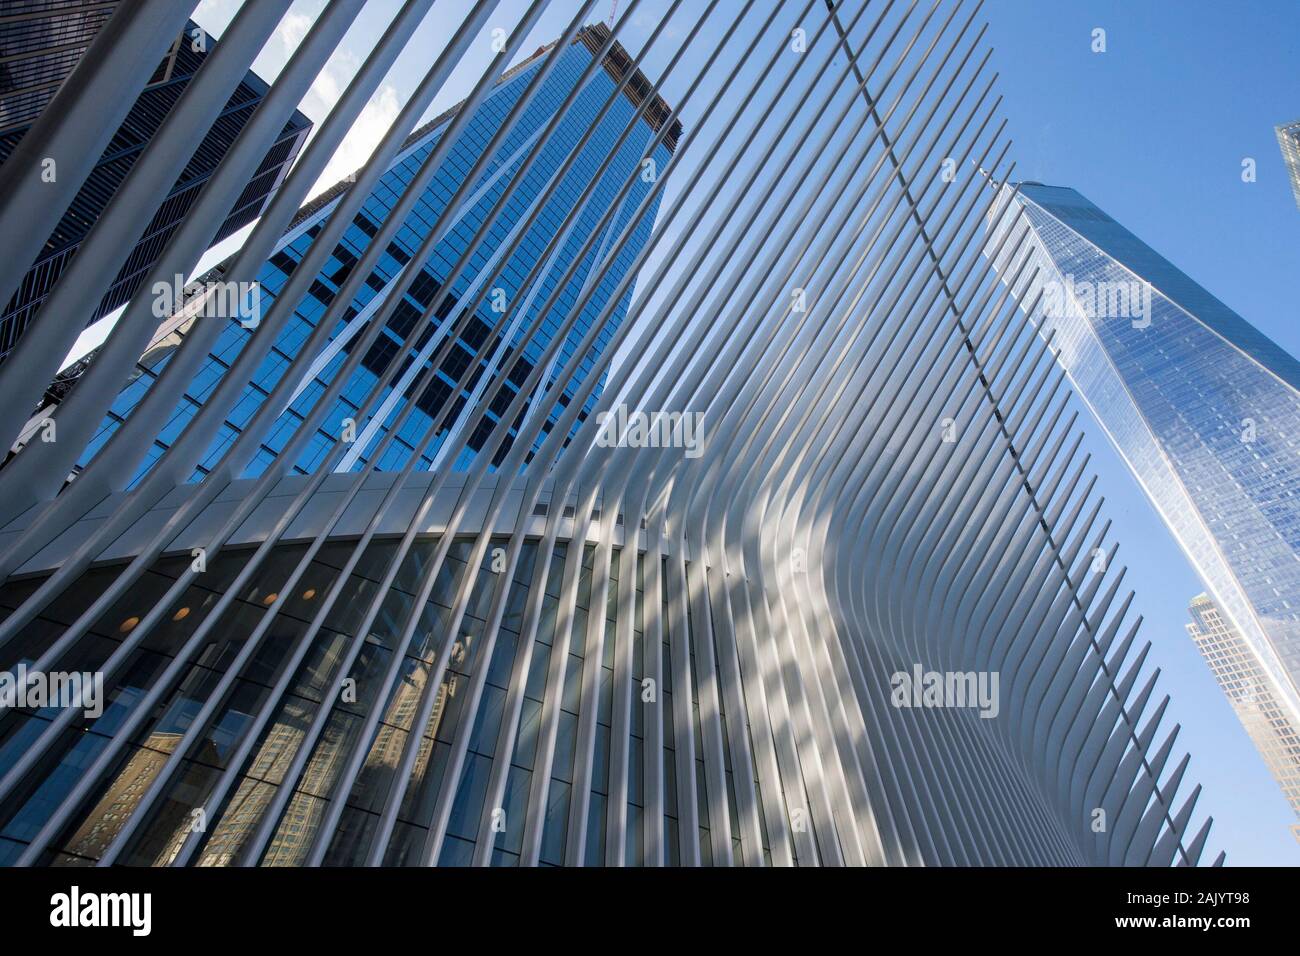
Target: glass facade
[
  {"x": 408, "y": 336},
  {"x": 292, "y": 680},
  {"x": 1203, "y": 408},
  {"x": 40, "y": 44}
]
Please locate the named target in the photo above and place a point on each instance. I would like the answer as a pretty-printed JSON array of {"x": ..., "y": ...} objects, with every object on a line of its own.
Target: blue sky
[{"x": 1154, "y": 131}]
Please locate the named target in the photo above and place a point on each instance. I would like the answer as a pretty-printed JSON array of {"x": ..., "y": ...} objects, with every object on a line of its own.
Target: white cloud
[
  {"x": 292, "y": 31},
  {"x": 361, "y": 140},
  {"x": 331, "y": 82}
]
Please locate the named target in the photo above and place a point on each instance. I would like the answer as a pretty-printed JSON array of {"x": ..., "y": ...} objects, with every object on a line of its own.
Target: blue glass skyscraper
[
  {"x": 1203, "y": 408},
  {"x": 405, "y": 337}
]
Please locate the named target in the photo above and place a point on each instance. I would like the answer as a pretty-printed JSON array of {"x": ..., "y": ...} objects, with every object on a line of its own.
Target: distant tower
[
  {"x": 1288, "y": 137},
  {"x": 1203, "y": 408},
  {"x": 1251, "y": 694}
]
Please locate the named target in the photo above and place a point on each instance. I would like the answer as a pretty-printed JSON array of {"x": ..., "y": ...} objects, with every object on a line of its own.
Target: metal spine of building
[{"x": 806, "y": 570}]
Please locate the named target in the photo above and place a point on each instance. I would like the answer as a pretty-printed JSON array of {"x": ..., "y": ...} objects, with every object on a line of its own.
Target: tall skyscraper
[
  {"x": 399, "y": 566},
  {"x": 406, "y": 335},
  {"x": 1236, "y": 668},
  {"x": 1288, "y": 138},
  {"x": 43, "y": 40},
  {"x": 1202, "y": 407}
]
